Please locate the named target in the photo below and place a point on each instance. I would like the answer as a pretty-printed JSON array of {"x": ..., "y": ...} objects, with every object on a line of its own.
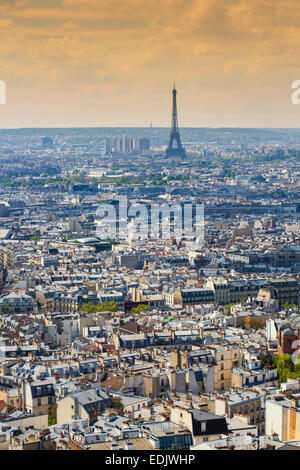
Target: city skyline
[
  {"x": 85, "y": 63},
  {"x": 149, "y": 228}
]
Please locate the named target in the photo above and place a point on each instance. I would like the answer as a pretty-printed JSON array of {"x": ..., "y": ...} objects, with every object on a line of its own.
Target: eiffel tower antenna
[{"x": 178, "y": 150}]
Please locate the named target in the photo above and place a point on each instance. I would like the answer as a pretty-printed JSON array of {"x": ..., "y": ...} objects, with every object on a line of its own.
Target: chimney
[
  {"x": 294, "y": 402},
  {"x": 129, "y": 446}
]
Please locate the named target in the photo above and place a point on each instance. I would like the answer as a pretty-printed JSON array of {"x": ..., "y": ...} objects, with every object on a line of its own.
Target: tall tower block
[{"x": 175, "y": 148}]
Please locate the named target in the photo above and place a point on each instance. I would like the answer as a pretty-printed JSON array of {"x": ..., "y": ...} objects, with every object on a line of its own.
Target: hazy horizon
[{"x": 148, "y": 127}]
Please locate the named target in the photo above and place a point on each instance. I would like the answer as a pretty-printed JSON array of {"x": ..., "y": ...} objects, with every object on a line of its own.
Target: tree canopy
[
  {"x": 106, "y": 306},
  {"x": 140, "y": 309},
  {"x": 286, "y": 367}
]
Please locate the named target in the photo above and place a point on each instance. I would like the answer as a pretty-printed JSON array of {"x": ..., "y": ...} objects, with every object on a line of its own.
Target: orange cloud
[{"x": 117, "y": 50}]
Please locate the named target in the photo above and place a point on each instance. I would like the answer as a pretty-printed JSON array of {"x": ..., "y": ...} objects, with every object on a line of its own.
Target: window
[
  {"x": 39, "y": 402},
  {"x": 203, "y": 427}
]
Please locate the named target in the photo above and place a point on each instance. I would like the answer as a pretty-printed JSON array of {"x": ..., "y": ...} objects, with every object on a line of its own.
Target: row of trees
[
  {"x": 106, "y": 306},
  {"x": 288, "y": 306},
  {"x": 109, "y": 306},
  {"x": 140, "y": 309},
  {"x": 11, "y": 182}
]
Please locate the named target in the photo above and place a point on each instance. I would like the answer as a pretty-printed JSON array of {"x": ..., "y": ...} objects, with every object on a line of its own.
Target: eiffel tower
[{"x": 178, "y": 150}]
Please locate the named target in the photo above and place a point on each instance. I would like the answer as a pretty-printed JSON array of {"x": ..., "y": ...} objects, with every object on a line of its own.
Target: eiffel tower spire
[{"x": 178, "y": 150}]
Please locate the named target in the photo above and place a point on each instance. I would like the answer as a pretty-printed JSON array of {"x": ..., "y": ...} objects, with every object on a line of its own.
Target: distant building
[
  {"x": 82, "y": 405},
  {"x": 168, "y": 436},
  {"x": 75, "y": 226},
  {"x": 47, "y": 142},
  {"x": 4, "y": 210},
  {"x": 241, "y": 403},
  {"x": 287, "y": 257},
  {"x": 193, "y": 296},
  {"x": 39, "y": 396},
  {"x": 18, "y": 303},
  {"x": 288, "y": 334},
  {"x": 283, "y": 417},
  {"x": 204, "y": 426},
  {"x": 157, "y": 384},
  {"x": 126, "y": 145}
]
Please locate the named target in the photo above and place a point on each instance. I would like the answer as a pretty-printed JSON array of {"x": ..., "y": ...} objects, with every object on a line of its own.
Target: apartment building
[
  {"x": 39, "y": 396},
  {"x": 283, "y": 417},
  {"x": 204, "y": 426},
  {"x": 225, "y": 358},
  {"x": 242, "y": 403}
]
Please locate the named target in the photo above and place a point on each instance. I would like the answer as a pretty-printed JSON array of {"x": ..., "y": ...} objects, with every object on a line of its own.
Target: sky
[{"x": 73, "y": 63}]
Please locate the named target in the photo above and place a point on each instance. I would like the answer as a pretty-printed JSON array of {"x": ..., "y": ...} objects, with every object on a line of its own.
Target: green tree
[
  {"x": 35, "y": 238},
  {"x": 5, "y": 309},
  {"x": 117, "y": 404},
  {"x": 266, "y": 360},
  {"x": 108, "y": 306},
  {"x": 285, "y": 367},
  {"x": 52, "y": 415},
  {"x": 140, "y": 309},
  {"x": 228, "y": 307},
  {"x": 287, "y": 306},
  {"x": 89, "y": 307}
]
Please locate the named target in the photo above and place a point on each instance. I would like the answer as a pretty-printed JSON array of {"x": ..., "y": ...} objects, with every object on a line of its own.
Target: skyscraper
[{"x": 175, "y": 150}]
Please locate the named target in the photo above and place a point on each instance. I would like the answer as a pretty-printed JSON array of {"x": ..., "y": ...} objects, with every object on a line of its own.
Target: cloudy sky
[{"x": 114, "y": 62}]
